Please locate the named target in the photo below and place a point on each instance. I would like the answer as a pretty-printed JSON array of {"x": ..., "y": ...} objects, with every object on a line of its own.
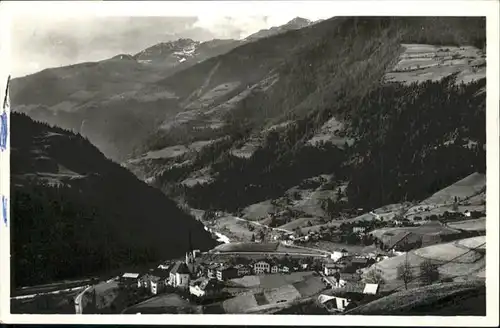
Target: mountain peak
[
  {"x": 123, "y": 57},
  {"x": 177, "y": 49},
  {"x": 294, "y": 24},
  {"x": 299, "y": 22}
]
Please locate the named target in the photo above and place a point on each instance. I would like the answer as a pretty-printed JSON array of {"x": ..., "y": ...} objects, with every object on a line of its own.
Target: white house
[
  {"x": 337, "y": 255},
  {"x": 205, "y": 287},
  {"x": 339, "y": 301},
  {"x": 157, "y": 285},
  {"x": 371, "y": 289},
  {"x": 358, "y": 229},
  {"x": 261, "y": 267}
]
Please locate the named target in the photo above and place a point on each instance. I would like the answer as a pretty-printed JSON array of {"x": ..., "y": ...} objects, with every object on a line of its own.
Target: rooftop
[
  {"x": 130, "y": 275},
  {"x": 159, "y": 273},
  {"x": 180, "y": 267},
  {"x": 224, "y": 267}
]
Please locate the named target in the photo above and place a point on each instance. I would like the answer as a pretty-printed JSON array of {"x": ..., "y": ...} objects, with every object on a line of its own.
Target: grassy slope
[
  {"x": 467, "y": 298},
  {"x": 464, "y": 261}
]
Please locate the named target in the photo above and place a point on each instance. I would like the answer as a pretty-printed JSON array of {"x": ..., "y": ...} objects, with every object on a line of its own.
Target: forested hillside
[
  {"x": 409, "y": 140},
  {"x": 313, "y": 69},
  {"x": 76, "y": 213}
]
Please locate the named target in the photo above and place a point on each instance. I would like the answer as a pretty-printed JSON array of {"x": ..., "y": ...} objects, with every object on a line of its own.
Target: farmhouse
[
  {"x": 285, "y": 268},
  {"x": 243, "y": 270},
  {"x": 144, "y": 281},
  {"x": 337, "y": 255},
  {"x": 155, "y": 280},
  {"x": 273, "y": 267},
  {"x": 226, "y": 272},
  {"x": 204, "y": 287},
  {"x": 158, "y": 281},
  {"x": 340, "y": 300},
  {"x": 129, "y": 279}
]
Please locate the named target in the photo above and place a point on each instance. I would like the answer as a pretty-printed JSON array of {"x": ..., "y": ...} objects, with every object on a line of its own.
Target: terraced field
[
  {"x": 290, "y": 288},
  {"x": 455, "y": 259},
  {"x": 469, "y": 225},
  {"x": 422, "y": 62}
]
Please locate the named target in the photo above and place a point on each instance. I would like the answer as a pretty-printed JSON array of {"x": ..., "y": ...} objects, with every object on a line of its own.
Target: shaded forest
[
  {"x": 411, "y": 141},
  {"x": 99, "y": 218}
]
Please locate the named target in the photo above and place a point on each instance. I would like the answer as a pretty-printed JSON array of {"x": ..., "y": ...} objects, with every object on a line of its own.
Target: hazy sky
[{"x": 58, "y": 37}]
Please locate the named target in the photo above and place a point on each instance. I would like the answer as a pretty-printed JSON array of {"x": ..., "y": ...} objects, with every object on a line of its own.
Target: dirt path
[{"x": 262, "y": 225}]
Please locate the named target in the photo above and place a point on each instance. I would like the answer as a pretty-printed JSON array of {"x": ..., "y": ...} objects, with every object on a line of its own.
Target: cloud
[{"x": 43, "y": 43}]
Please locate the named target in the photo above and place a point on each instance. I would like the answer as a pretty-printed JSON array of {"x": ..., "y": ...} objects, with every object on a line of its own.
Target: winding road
[
  {"x": 79, "y": 301},
  {"x": 262, "y": 225}
]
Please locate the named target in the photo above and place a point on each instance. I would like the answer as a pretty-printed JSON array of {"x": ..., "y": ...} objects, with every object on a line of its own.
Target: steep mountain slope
[
  {"x": 103, "y": 100},
  {"x": 274, "y": 98},
  {"x": 76, "y": 213},
  {"x": 295, "y": 73},
  {"x": 100, "y": 100}
]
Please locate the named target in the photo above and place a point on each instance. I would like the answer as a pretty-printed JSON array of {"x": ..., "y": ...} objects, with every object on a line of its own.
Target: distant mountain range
[{"x": 98, "y": 98}]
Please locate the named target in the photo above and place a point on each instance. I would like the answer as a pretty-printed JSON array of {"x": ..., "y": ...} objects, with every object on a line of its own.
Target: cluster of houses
[
  {"x": 223, "y": 272},
  {"x": 342, "y": 261},
  {"x": 176, "y": 274},
  {"x": 203, "y": 280}
]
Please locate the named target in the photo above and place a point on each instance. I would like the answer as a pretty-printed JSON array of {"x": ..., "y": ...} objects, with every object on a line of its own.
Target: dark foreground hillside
[{"x": 76, "y": 213}]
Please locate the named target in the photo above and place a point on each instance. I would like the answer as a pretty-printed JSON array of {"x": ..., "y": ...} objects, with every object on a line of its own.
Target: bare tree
[
  {"x": 429, "y": 272},
  {"x": 374, "y": 276},
  {"x": 405, "y": 272}
]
